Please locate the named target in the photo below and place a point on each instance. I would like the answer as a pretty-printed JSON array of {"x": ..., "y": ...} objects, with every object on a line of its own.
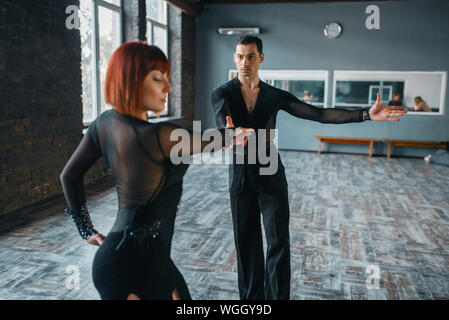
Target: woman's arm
[
  {"x": 178, "y": 141},
  {"x": 71, "y": 178}
]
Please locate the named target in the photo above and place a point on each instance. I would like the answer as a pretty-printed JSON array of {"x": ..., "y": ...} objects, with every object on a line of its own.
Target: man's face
[{"x": 247, "y": 59}]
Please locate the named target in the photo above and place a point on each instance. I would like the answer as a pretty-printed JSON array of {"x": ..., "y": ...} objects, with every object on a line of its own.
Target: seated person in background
[
  {"x": 421, "y": 105},
  {"x": 308, "y": 97},
  {"x": 395, "y": 100}
]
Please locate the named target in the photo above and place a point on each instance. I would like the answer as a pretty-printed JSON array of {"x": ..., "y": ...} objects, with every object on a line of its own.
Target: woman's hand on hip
[{"x": 96, "y": 240}]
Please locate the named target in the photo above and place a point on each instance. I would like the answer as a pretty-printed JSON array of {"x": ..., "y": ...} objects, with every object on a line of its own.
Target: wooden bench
[
  {"x": 346, "y": 140},
  {"x": 412, "y": 143}
]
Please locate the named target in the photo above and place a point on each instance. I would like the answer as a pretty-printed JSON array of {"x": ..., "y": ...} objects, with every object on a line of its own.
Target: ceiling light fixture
[{"x": 238, "y": 31}]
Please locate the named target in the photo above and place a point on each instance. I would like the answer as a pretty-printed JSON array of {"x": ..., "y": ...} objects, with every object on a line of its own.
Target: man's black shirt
[
  {"x": 395, "y": 103},
  {"x": 228, "y": 101}
]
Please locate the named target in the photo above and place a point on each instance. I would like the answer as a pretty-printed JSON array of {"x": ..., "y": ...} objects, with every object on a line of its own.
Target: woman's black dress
[{"x": 135, "y": 256}]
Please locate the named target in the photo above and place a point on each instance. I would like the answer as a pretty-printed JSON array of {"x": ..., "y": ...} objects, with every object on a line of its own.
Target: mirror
[
  {"x": 420, "y": 92},
  {"x": 310, "y": 86}
]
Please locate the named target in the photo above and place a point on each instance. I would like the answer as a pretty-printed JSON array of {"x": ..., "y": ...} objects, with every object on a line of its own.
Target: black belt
[{"x": 124, "y": 223}]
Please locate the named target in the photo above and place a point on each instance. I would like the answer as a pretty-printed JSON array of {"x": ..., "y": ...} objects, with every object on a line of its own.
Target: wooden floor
[{"x": 348, "y": 212}]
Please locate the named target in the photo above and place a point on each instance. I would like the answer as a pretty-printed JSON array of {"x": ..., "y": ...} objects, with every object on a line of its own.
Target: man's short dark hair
[{"x": 248, "y": 40}]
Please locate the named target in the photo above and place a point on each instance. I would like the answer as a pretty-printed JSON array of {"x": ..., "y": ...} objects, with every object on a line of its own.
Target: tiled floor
[{"x": 349, "y": 214}]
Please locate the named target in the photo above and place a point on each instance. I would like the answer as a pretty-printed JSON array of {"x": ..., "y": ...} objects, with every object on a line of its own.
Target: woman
[
  {"x": 421, "y": 105},
  {"x": 133, "y": 261}
]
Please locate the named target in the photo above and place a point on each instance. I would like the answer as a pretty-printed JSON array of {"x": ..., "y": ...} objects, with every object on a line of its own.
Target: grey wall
[{"x": 413, "y": 36}]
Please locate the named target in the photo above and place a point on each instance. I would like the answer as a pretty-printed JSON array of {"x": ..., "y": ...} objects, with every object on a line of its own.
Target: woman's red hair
[{"x": 127, "y": 68}]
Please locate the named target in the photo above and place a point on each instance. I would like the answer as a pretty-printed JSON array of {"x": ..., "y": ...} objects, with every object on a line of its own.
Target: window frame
[
  {"x": 96, "y": 91},
  {"x": 165, "y": 113}
]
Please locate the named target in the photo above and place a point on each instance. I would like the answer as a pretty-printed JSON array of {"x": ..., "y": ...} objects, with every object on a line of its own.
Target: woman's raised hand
[{"x": 241, "y": 135}]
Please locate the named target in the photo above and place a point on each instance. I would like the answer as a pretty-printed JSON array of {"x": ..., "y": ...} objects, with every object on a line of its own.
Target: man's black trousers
[{"x": 258, "y": 280}]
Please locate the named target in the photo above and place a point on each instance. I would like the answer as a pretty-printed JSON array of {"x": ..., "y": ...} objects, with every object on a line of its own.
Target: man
[
  {"x": 395, "y": 100},
  {"x": 252, "y": 103}
]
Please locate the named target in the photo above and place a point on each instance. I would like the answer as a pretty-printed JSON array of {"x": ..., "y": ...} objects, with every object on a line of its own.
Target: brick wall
[
  {"x": 134, "y": 21},
  {"x": 40, "y": 90},
  {"x": 182, "y": 59},
  {"x": 41, "y": 109},
  {"x": 188, "y": 68}
]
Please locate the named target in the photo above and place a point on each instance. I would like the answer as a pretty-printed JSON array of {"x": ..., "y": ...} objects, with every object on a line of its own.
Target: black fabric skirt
[{"x": 136, "y": 260}]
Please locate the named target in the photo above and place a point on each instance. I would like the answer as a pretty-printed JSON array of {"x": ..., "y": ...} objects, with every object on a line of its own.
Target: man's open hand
[{"x": 381, "y": 112}]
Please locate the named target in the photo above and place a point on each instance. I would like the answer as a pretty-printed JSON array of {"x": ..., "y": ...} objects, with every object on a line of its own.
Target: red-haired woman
[{"x": 133, "y": 261}]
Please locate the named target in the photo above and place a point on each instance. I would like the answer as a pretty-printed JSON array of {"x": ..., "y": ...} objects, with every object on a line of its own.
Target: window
[
  {"x": 354, "y": 89},
  {"x": 356, "y": 94},
  {"x": 101, "y": 35},
  {"x": 157, "y": 31},
  {"x": 310, "y": 91},
  {"x": 309, "y": 86}
]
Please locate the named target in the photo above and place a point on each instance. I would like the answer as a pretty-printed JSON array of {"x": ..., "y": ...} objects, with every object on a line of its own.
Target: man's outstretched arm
[
  {"x": 378, "y": 112},
  {"x": 300, "y": 109}
]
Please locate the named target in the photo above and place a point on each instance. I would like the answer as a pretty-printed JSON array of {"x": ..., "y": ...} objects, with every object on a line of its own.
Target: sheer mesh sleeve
[
  {"x": 176, "y": 140},
  {"x": 72, "y": 175},
  {"x": 300, "y": 109},
  {"x": 221, "y": 107},
  {"x": 71, "y": 178}
]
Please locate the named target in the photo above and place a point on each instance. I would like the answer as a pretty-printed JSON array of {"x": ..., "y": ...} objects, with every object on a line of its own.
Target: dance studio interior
[{"x": 367, "y": 214}]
